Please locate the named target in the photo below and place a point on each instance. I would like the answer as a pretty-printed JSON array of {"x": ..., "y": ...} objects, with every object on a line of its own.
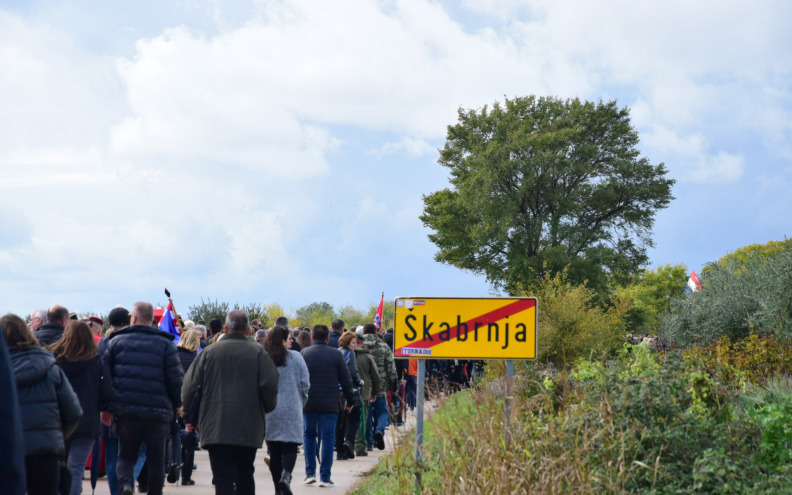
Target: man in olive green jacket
[
  {"x": 372, "y": 383},
  {"x": 383, "y": 356},
  {"x": 238, "y": 385}
]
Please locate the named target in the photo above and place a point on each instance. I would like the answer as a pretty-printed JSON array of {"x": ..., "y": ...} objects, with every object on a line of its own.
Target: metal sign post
[
  {"x": 419, "y": 423},
  {"x": 509, "y": 389}
]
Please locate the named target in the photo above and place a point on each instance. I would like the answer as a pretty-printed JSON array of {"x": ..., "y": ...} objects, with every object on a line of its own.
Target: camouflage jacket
[{"x": 385, "y": 364}]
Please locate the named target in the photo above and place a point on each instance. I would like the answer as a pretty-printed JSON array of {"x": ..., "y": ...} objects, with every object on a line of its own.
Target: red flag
[
  {"x": 378, "y": 317},
  {"x": 693, "y": 282}
]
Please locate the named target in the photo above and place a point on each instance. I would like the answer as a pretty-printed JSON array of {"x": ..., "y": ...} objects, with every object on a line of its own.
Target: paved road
[{"x": 345, "y": 473}]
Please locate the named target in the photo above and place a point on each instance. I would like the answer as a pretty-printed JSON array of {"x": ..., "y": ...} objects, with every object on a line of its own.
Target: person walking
[
  {"x": 147, "y": 380},
  {"x": 49, "y": 407},
  {"x": 336, "y": 329},
  {"x": 327, "y": 370},
  {"x": 76, "y": 354},
  {"x": 387, "y": 369},
  {"x": 187, "y": 350},
  {"x": 12, "y": 455},
  {"x": 238, "y": 384},
  {"x": 372, "y": 384},
  {"x": 117, "y": 319},
  {"x": 349, "y": 420},
  {"x": 285, "y": 422},
  {"x": 51, "y": 331}
]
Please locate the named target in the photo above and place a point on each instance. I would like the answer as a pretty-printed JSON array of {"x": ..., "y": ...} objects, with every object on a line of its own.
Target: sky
[{"x": 278, "y": 150}]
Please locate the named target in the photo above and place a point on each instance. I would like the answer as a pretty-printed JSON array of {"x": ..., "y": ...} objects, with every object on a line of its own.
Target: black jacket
[
  {"x": 145, "y": 371},
  {"x": 326, "y": 369},
  {"x": 185, "y": 358},
  {"x": 49, "y": 333},
  {"x": 12, "y": 452},
  {"x": 91, "y": 383},
  {"x": 333, "y": 341},
  {"x": 50, "y": 409}
]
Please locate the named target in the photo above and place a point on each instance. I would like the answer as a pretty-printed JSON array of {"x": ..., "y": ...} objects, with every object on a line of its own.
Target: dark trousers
[
  {"x": 347, "y": 427},
  {"x": 232, "y": 469},
  {"x": 188, "y": 457},
  {"x": 131, "y": 433},
  {"x": 283, "y": 457},
  {"x": 43, "y": 474},
  {"x": 411, "y": 389}
]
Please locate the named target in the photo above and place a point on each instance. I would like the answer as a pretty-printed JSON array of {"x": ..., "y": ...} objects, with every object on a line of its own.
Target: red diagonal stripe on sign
[{"x": 491, "y": 317}]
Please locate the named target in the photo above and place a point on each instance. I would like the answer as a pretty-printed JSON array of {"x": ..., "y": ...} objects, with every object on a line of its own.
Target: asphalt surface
[{"x": 345, "y": 474}]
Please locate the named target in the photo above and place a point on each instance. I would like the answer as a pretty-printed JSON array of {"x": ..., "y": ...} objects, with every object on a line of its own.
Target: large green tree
[{"x": 539, "y": 184}]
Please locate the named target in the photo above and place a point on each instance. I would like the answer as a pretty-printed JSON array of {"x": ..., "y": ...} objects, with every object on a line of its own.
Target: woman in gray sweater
[{"x": 285, "y": 423}]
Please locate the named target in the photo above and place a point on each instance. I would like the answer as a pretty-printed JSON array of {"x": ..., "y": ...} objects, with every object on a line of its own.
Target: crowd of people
[{"x": 230, "y": 388}]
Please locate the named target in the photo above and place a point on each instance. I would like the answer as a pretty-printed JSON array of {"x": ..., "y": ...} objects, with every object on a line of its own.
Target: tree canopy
[{"x": 539, "y": 184}]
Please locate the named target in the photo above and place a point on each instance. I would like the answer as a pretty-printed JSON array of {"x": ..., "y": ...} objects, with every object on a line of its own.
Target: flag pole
[{"x": 175, "y": 313}]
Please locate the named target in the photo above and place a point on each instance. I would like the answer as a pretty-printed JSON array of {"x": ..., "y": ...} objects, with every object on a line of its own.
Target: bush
[
  {"x": 572, "y": 325},
  {"x": 738, "y": 297},
  {"x": 639, "y": 423},
  {"x": 753, "y": 360}
]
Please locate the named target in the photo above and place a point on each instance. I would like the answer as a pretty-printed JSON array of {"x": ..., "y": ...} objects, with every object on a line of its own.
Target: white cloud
[
  {"x": 690, "y": 159},
  {"x": 214, "y": 157},
  {"x": 412, "y": 147}
]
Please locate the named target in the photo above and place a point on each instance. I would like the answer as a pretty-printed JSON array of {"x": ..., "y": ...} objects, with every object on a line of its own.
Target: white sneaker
[
  {"x": 327, "y": 483},
  {"x": 309, "y": 480}
]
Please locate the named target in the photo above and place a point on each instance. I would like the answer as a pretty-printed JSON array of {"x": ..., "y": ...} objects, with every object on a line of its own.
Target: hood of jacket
[
  {"x": 371, "y": 340},
  {"x": 141, "y": 329},
  {"x": 362, "y": 350},
  {"x": 30, "y": 364}
]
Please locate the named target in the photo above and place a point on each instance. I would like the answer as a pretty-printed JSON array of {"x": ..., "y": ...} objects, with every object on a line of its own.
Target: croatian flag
[
  {"x": 167, "y": 323},
  {"x": 693, "y": 282},
  {"x": 378, "y": 316}
]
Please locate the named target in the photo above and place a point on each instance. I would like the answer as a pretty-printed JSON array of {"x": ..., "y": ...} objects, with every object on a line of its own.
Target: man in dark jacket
[
  {"x": 238, "y": 383},
  {"x": 147, "y": 379},
  {"x": 337, "y": 328},
  {"x": 327, "y": 370},
  {"x": 52, "y": 331}
]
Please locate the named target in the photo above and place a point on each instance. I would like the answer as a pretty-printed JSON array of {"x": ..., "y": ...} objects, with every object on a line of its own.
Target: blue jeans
[
  {"x": 316, "y": 423},
  {"x": 79, "y": 449},
  {"x": 379, "y": 414}
]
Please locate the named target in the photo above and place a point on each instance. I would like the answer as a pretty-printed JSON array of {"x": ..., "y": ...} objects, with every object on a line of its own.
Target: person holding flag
[{"x": 170, "y": 322}]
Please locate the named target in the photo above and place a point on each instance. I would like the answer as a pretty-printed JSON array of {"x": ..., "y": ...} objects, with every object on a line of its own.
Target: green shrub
[
  {"x": 739, "y": 296},
  {"x": 572, "y": 325}
]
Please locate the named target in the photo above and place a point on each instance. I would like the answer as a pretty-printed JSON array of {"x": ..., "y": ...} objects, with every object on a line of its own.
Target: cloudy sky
[{"x": 278, "y": 150}]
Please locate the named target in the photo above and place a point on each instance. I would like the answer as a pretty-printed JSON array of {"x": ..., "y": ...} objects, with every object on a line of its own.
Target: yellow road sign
[{"x": 465, "y": 328}]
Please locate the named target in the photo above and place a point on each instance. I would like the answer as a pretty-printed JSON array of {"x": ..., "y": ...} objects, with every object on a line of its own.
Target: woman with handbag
[{"x": 49, "y": 407}]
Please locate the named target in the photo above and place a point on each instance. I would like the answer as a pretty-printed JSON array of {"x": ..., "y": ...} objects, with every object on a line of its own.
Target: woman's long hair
[
  {"x": 275, "y": 344},
  {"x": 77, "y": 343},
  {"x": 16, "y": 332}
]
